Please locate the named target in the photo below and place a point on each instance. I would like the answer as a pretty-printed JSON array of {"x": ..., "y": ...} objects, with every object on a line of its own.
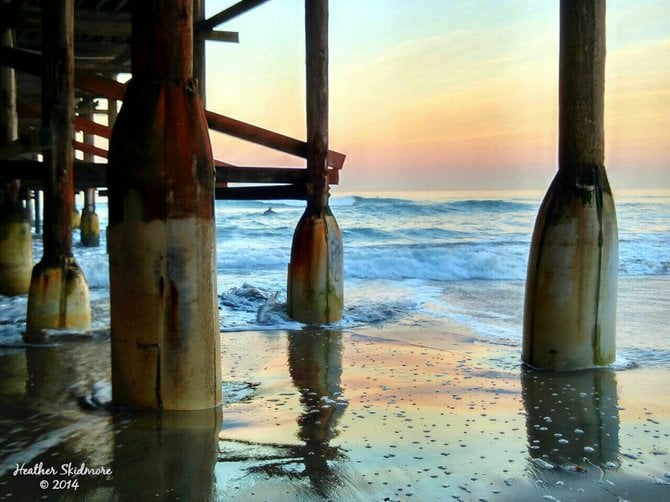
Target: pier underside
[
  {"x": 154, "y": 163},
  {"x": 69, "y": 66}
]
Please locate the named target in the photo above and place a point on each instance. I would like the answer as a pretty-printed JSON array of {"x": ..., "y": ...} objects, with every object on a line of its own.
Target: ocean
[{"x": 417, "y": 260}]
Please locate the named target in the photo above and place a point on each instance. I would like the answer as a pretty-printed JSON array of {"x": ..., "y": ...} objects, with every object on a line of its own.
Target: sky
[{"x": 444, "y": 94}]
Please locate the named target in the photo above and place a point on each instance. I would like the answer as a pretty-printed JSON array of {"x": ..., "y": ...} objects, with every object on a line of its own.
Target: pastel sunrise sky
[{"x": 444, "y": 94}]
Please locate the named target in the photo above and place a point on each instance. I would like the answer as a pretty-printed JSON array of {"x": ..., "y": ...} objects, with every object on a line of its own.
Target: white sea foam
[{"x": 417, "y": 259}]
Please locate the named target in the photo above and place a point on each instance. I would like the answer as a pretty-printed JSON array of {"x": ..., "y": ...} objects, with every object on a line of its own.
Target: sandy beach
[{"x": 371, "y": 414}]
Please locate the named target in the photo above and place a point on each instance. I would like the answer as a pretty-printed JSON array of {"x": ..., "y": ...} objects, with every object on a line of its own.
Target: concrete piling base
[
  {"x": 89, "y": 228},
  {"x": 165, "y": 325},
  {"x": 315, "y": 274},
  {"x": 58, "y": 298},
  {"x": 16, "y": 251},
  {"x": 76, "y": 219},
  {"x": 571, "y": 290}
]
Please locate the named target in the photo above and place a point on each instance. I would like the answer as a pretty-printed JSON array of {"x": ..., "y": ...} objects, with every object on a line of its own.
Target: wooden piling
[
  {"x": 89, "y": 223},
  {"x": 161, "y": 235},
  {"x": 16, "y": 247},
  {"x": 315, "y": 273},
  {"x": 571, "y": 289},
  {"x": 37, "y": 211},
  {"x": 58, "y": 296},
  {"x": 199, "y": 59}
]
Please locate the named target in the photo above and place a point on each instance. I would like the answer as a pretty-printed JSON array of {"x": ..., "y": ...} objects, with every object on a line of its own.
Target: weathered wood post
[
  {"x": 58, "y": 296},
  {"x": 37, "y": 211},
  {"x": 315, "y": 274},
  {"x": 16, "y": 246},
  {"x": 89, "y": 223},
  {"x": 571, "y": 289},
  {"x": 161, "y": 236},
  {"x": 199, "y": 54}
]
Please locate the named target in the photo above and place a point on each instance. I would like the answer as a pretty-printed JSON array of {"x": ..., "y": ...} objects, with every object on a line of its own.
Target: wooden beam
[
  {"x": 227, "y": 14},
  {"x": 220, "y": 36},
  {"x": 254, "y": 134},
  {"x": 90, "y": 127},
  {"x": 90, "y": 149},
  {"x": 99, "y": 85},
  {"x": 90, "y": 175},
  {"x": 87, "y": 22},
  {"x": 226, "y": 173},
  {"x": 111, "y": 89},
  {"x": 102, "y": 23},
  {"x": 102, "y": 65},
  {"x": 31, "y": 173},
  {"x": 21, "y": 60},
  {"x": 33, "y": 110},
  {"x": 281, "y": 192},
  {"x": 265, "y": 137},
  {"x": 260, "y": 174},
  {"x": 36, "y": 141}
]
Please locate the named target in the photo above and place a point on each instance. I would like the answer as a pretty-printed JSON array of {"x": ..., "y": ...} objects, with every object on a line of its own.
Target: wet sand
[{"x": 373, "y": 414}]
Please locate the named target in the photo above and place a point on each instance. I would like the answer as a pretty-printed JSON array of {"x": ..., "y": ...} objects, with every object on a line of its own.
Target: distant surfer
[{"x": 269, "y": 211}]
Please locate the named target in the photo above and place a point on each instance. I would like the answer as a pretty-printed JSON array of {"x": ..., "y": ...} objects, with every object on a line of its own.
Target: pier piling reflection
[
  {"x": 572, "y": 417},
  {"x": 167, "y": 455},
  {"x": 313, "y": 465}
]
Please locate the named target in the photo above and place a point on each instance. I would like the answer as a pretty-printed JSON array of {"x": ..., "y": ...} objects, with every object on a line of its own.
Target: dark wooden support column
[
  {"x": 316, "y": 40},
  {"x": 161, "y": 235},
  {"x": 199, "y": 57},
  {"x": 89, "y": 223},
  {"x": 571, "y": 290},
  {"x": 37, "y": 211},
  {"x": 16, "y": 248},
  {"x": 58, "y": 296},
  {"x": 315, "y": 282}
]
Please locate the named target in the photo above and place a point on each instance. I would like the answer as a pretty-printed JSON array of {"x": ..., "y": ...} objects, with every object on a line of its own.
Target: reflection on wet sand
[
  {"x": 13, "y": 374},
  {"x": 165, "y": 456},
  {"x": 133, "y": 455},
  {"x": 39, "y": 417},
  {"x": 572, "y": 418},
  {"x": 315, "y": 367}
]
